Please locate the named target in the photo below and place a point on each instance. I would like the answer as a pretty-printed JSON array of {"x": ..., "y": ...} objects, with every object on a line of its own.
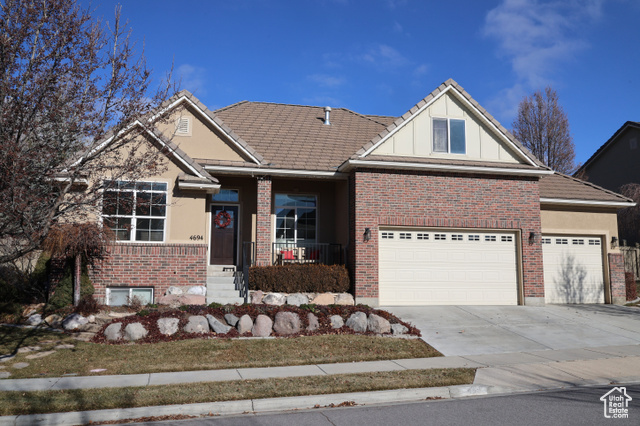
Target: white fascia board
[
  {"x": 176, "y": 156},
  {"x": 275, "y": 172},
  {"x": 570, "y": 202},
  {"x": 210, "y": 121},
  {"x": 210, "y": 188},
  {"x": 471, "y": 107},
  {"x": 81, "y": 181},
  {"x": 445, "y": 167}
]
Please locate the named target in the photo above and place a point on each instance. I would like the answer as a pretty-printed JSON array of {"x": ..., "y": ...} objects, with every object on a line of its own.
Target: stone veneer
[
  {"x": 457, "y": 201},
  {"x": 150, "y": 265}
]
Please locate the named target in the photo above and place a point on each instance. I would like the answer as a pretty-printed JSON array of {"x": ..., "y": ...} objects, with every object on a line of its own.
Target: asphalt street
[{"x": 576, "y": 406}]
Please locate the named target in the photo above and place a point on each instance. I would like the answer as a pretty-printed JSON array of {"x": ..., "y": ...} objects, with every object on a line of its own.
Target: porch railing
[
  {"x": 248, "y": 260},
  {"x": 321, "y": 253}
]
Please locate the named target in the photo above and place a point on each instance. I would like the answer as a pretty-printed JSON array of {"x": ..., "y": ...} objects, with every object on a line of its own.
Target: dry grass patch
[
  {"x": 212, "y": 354},
  {"x": 15, "y": 403}
]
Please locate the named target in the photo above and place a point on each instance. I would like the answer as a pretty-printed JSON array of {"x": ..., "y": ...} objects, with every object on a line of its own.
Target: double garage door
[
  {"x": 480, "y": 267},
  {"x": 444, "y": 267}
]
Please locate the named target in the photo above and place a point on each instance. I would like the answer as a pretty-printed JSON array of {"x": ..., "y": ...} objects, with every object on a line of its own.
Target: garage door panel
[
  {"x": 573, "y": 269},
  {"x": 451, "y": 267}
]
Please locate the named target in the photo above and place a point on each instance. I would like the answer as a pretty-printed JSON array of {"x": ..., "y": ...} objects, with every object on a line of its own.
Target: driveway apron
[{"x": 474, "y": 330}]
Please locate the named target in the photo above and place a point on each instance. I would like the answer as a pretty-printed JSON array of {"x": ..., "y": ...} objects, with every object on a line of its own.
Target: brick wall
[
  {"x": 263, "y": 222},
  {"x": 381, "y": 198},
  {"x": 616, "y": 276},
  {"x": 150, "y": 265}
]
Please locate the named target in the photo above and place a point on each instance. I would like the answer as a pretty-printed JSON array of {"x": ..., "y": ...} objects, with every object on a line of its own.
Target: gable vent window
[
  {"x": 183, "y": 126},
  {"x": 449, "y": 136}
]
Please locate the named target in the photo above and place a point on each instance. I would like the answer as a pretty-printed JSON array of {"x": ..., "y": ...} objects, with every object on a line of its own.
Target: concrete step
[
  {"x": 223, "y": 293},
  {"x": 220, "y": 280},
  {"x": 225, "y": 300}
]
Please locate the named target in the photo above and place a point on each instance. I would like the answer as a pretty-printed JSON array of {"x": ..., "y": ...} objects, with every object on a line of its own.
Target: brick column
[
  {"x": 616, "y": 278},
  {"x": 263, "y": 222}
]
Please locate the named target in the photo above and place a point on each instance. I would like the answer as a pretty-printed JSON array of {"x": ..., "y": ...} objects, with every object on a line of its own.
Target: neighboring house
[
  {"x": 439, "y": 206},
  {"x": 615, "y": 163}
]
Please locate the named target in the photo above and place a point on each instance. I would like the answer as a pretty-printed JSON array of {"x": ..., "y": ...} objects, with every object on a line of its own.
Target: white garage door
[
  {"x": 572, "y": 269},
  {"x": 444, "y": 267}
]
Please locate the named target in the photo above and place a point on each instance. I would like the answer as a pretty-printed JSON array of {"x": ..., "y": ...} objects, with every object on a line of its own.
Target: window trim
[
  {"x": 433, "y": 138},
  {"x": 130, "y": 288},
  {"x": 133, "y": 217},
  {"x": 295, "y": 230}
]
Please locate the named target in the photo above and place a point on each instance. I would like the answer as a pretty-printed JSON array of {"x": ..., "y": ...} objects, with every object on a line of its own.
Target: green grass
[
  {"x": 15, "y": 403},
  {"x": 200, "y": 354}
]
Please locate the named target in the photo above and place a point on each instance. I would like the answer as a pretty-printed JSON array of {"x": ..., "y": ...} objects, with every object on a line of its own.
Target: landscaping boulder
[
  {"x": 135, "y": 331},
  {"x": 357, "y": 322},
  {"x": 231, "y": 319},
  {"x": 323, "y": 299},
  {"x": 197, "y": 290},
  {"x": 313, "y": 322},
  {"x": 344, "y": 299},
  {"x": 34, "y": 319},
  {"x": 176, "y": 300},
  {"x": 397, "y": 329},
  {"x": 336, "y": 321},
  {"x": 297, "y": 299},
  {"x": 276, "y": 299},
  {"x": 245, "y": 324},
  {"x": 256, "y": 297},
  {"x": 197, "y": 324},
  {"x": 74, "y": 321},
  {"x": 91, "y": 318},
  {"x": 113, "y": 331},
  {"x": 168, "y": 326},
  {"x": 262, "y": 326},
  {"x": 54, "y": 320},
  {"x": 287, "y": 323},
  {"x": 218, "y": 326},
  {"x": 174, "y": 290},
  {"x": 377, "y": 324}
]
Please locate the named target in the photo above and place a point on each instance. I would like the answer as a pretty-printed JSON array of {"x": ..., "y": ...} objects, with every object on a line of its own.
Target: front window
[
  {"x": 449, "y": 136},
  {"x": 295, "y": 218},
  {"x": 228, "y": 195},
  {"x": 135, "y": 211}
]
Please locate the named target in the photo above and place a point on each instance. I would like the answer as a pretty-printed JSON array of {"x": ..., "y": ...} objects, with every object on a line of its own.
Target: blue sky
[{"x": 383, "y": 56}]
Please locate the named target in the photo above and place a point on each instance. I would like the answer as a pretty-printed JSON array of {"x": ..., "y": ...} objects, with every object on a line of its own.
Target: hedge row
[{"x": 295, "y": 278}]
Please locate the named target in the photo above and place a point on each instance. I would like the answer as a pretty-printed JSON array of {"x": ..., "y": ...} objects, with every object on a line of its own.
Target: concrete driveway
[{"x": 473, "y": 330}]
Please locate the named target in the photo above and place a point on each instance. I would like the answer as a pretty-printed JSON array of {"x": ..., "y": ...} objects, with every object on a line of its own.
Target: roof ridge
[
  {"x": 368, "y": 117},
  {"x": 224, "y": 108},
  {"x": 592, "y": 185}
]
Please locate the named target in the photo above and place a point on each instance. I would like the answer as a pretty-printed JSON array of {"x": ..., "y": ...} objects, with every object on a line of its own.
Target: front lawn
[{"x": 197, "y": 354}]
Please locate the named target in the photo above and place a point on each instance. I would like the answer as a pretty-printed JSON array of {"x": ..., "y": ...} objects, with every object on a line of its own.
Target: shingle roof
[
  {"x": 295, "y": 136},
  {"x": 560, "y": 186},
  {"x": 409, "y": 114}
]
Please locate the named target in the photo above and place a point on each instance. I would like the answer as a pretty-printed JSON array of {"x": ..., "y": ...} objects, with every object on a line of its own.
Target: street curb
[{"x": 249, "y": 406}]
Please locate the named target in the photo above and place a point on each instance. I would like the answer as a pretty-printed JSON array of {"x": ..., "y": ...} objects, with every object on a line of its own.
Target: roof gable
[
  {"x": 411, "y": 134},
  {"x": 607, "y": 145}
]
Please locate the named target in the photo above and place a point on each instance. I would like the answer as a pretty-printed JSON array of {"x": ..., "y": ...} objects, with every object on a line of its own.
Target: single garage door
[
  {"x": 573, "y": 271},
  {"x": 444, "y": 267}
]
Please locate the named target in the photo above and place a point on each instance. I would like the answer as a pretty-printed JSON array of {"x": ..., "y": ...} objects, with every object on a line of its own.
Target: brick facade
[
  {"x": 616, "y": 277},
  {"x": 150, "y": 265},
  {"x": 263, "y": 222},
  {"x": 392, "y": 198}
]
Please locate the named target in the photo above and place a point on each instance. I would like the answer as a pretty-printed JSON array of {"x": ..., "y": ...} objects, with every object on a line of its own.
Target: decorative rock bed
[
  {"x": 252, "y": 321},
  {"x": 297, "y": 299}
]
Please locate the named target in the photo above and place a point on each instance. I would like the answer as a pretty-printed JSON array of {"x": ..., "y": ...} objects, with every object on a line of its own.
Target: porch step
[
  {"x": 226, "y": 300},
  {"x": 222, "y": 289},
  {"x": 225, "y": 280}
]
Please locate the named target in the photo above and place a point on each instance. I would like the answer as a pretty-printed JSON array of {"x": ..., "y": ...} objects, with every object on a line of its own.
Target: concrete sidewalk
[{"x": 497, "y": 374}]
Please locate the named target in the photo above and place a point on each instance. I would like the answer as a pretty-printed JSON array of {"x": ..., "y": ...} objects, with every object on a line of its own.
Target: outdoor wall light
[
  {"x": 614, "y": 242},
  {"x": 533, "y": 237},
  {"x": 367, "y": 234}
]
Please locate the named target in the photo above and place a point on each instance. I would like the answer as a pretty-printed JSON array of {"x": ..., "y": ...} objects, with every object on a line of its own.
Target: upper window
[
  {"x": 295, "y": 218},
  {"x": 135, "y": 211},
  {"x": 449, "y": 136},
  {"x": 228, "y": 195}
]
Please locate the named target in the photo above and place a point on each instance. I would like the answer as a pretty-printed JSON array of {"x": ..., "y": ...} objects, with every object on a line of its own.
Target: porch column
[{"x": 263, "y": 222}]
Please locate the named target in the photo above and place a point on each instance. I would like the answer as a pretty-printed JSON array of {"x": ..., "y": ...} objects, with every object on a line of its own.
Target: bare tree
[
  {"x": 543, "y": 127},
  {"x": 629, "y": 218},
  {"x": 70, "y": 88}
]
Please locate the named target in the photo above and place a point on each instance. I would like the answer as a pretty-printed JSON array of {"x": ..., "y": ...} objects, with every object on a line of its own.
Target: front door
[{"x": 224, "y": 235}]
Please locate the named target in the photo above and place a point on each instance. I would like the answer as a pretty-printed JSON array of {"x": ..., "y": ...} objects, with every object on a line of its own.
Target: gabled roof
[
  {"x": 567, "y": 190},
  {"x": 453, "y": 87},
  {"x": 295, "y": 137},
  {"x": 608, "y": 143}
]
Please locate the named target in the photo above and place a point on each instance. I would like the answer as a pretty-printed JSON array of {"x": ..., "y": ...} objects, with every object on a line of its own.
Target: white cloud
[
  {"x": 192, "y": 78},
  {"x": 385, "y": 56},
  {"x": 326, "y": 80}
]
